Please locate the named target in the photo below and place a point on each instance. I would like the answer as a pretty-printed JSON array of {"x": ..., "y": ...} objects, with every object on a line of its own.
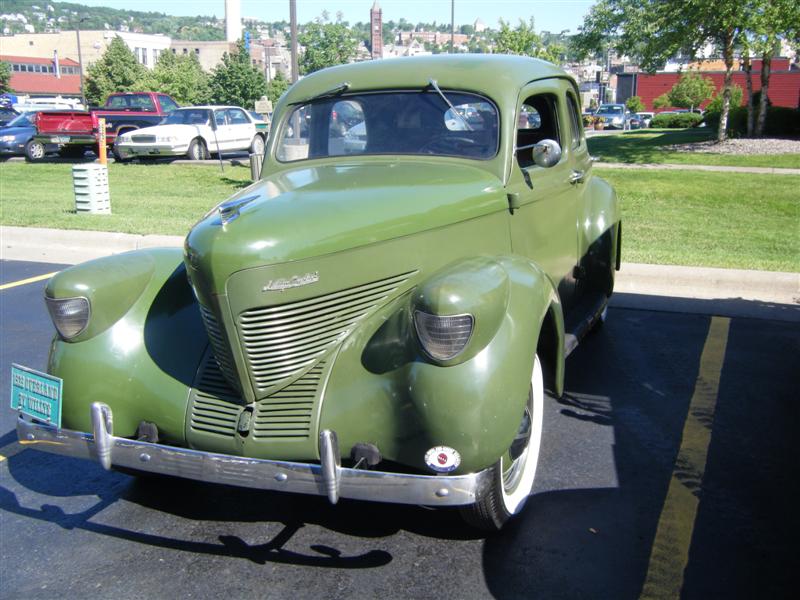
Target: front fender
[
  {"x": 384, "y": 390},
  {"x": 142, "y": 361}
]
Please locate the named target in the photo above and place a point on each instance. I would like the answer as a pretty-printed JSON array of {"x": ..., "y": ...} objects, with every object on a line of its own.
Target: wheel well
[{"x": 548, "y": 348}]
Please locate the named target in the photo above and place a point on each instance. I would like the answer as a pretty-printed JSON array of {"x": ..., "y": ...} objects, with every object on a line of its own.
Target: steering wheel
[{"x": 446, "y": 143}]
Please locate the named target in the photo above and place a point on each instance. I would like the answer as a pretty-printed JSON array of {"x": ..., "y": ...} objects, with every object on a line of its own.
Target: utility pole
[
  {"x": 293, "y": 33},
  {"x": 452, "y": 26},
  {"x": 80, "y": 59}
]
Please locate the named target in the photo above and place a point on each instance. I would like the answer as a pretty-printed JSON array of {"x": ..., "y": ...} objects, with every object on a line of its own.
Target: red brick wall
[{"x": 784, "y": 87}]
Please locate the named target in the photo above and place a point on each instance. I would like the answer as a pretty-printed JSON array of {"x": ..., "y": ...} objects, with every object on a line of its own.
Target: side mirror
[{"x": 546, "y": 153}]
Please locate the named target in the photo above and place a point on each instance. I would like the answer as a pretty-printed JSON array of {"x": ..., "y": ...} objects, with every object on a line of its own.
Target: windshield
[
  {"x": 417, "y": 123},
  {"x": 610, "y": 110},
  {"x": 187, "y": 116},
  {"x": 22, "y": 120}
]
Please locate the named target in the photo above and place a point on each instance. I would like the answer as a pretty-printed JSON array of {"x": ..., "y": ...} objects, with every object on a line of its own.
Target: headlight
[
  {"x": 443, "y": 337},
  {"x": 166, "y": 139},
  {"x": 69, "y": 315},
  {"x": 7, "y": 138}
]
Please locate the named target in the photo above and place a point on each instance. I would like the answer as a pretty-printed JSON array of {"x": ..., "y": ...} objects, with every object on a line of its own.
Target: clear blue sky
[{"x": 550, "y": 15}]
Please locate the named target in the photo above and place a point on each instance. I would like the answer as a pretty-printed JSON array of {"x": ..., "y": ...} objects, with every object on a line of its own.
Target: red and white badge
[{"x": 442, "y": 459}]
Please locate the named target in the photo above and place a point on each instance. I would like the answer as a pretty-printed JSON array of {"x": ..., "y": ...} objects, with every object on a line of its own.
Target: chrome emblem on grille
[{"x": 279, "y": 285}]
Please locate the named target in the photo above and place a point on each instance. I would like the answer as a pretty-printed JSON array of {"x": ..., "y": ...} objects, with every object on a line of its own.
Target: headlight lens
[
  {"x": 7, "y": 138},
  {"x": 166, "y": 139},
  {"x": 443, "y": 337},
  {"x": 69, "y": 315}
]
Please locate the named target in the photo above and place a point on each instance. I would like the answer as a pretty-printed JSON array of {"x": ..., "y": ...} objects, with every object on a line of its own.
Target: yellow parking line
[
  {"x": 10, "y": 450},
  {"x": 670, "y": 553},
  {"x": 13, "y": 284}
]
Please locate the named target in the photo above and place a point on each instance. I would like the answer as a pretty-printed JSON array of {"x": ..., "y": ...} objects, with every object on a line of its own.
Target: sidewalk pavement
[
  {"x": 715, "y": 168},
  {"x": 664, "y": 285}
]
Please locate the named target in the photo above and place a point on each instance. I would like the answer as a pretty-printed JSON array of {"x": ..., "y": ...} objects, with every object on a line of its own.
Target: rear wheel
[
  {"x": 514, "y": 473},
  {"x": 197, "y": 150},
  {"x": 34, "y": 150},
  {"x": 257, "y": 147}
]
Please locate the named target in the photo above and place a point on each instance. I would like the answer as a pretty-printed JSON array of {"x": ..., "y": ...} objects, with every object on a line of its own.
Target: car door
[
  {"x": 242, "y": 129},
  {"x": 544, "y": 226},
  {"x": 220, "y": 140}
]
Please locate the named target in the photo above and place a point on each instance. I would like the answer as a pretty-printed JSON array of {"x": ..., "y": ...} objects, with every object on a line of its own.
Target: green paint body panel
[{"x": 296, "y": 313}]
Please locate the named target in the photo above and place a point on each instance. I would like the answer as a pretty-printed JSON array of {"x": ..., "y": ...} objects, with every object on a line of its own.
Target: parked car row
[{"x": 137, "y": 124}]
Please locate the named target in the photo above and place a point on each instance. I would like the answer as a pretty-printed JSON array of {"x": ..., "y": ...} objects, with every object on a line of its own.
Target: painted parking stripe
[
  {"x": 14, "y": 284},
  {"x": 670, "y": 553},
  {"x": 10, "y": 450}
]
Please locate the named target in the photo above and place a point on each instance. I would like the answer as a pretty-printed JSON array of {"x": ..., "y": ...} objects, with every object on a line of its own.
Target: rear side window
[
  {"x": 574, "y": 121},
  {"x": 167, "y": 103}
]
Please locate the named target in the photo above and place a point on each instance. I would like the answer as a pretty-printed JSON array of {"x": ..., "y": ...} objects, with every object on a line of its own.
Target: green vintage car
[{"x": 377, "y": 318}]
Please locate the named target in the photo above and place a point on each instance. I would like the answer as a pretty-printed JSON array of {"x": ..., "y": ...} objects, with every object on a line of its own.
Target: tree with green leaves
[
  {"x": 181, "y": 77},
  {"x": 326, "y": 45},
  {"x": 522, "y": 40},
  {"x": 691, "y": 90},
  {"x": 5, "y": 78},
  {"x": 634, "y": 104},
  {"x": 277, "y": 86},
  {"x": 652, "y": 31},
  {"x": 116, "y": 71},
  {"x": 236, "y": 81}
]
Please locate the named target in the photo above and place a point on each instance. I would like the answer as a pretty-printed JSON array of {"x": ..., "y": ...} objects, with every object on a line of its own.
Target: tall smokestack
[{"x": 233, "y": 20}]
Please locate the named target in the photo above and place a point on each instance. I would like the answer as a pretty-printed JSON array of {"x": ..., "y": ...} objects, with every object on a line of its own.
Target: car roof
[
  {"x": 209, "y": 107},
  {"x": 492, "y": 75}
]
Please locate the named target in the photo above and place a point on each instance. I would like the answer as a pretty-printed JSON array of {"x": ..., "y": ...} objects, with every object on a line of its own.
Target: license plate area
[
  {"x": 36, "y": 394},
  {"x": 60, "y": 139}
]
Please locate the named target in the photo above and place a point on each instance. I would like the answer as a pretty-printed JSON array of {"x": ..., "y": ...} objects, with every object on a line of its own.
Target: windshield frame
[{"x": 289, "y": 111}]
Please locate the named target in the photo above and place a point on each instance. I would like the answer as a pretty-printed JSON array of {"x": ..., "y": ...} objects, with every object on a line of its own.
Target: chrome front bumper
[{"x": 326, "y": 479}]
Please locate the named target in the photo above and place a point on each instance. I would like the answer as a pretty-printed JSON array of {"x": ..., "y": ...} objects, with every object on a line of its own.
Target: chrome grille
[
  {"x": 219, "y": 345},
  {"x": 215, "y": 406},
  {"x": 288, "y": 412},
  {"x": 281, "y": 341},
  {"x": 143, "y": 139}
]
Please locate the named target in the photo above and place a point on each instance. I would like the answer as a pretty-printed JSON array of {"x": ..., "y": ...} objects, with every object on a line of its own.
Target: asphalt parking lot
[{"x": 670, "y": 467}]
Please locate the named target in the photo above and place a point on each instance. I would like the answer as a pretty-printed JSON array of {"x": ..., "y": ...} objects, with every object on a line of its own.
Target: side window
[
  {"x": 537, "y": 120},
  {"x": 347, "y": 130},
  {"x": 574, "y": 121},
  {"x": 167, "y": 103},
  {"x": 219, "y": 117},
  {"x": 236, "y": 116}
]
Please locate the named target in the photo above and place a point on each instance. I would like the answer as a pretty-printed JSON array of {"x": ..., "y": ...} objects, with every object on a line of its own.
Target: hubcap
[
  {"x": 37, "y": 150},
  {"x": 517, "y": 453}
]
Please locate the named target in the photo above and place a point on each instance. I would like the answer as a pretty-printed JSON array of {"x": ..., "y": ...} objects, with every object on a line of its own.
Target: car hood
[
  {"x": 318, "y": 210},
  {"x": 179, "y": 131},
  {"x": 26, "y": 130}
]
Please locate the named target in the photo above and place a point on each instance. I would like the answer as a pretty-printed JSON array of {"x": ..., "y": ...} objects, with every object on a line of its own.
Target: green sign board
[{"x": 36, "y": 394}]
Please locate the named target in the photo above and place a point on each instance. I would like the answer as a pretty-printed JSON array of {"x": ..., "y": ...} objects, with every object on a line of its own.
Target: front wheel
[
  {"x": 514, "y": 473},
  {"x": 34, "y": 150},
  {"x": 197, "y": 150}
]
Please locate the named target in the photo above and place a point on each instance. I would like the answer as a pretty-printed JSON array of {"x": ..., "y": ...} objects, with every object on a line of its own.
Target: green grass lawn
[
  {"x": 645, "y": 146},
  {"x": 158, "y": 198},
  {"x": 728, "y": 220},
  {"x": 684, "y": 218}
]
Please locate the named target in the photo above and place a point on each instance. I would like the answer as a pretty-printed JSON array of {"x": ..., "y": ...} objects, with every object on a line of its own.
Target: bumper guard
[{"x": 328, "y": 478}]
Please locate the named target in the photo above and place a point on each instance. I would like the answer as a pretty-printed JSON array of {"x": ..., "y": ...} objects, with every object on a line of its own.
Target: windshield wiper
[
  {"x": 435, "y": 86},
  {"x": 334, "y": 91}
]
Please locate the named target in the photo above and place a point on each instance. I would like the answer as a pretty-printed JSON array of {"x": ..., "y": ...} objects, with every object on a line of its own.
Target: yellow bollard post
[{"x": 101, "y": 141}]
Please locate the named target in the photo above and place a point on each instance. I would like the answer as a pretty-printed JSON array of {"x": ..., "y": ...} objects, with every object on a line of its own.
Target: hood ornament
[{"x": 279, "y": 285}]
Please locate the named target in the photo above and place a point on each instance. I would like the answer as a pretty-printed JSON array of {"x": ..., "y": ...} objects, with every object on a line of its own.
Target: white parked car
[{"x": 197, "y": 132}]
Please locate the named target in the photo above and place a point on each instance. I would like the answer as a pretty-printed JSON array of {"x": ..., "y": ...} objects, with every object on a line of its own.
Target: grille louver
[
  {"x": 287, "y": 413},
  {"x": 281, "y": 341},
  {"x": 216, "y": 406},
  {"x": 143, "y": 139},
  {"x": 220, "y": 347}
]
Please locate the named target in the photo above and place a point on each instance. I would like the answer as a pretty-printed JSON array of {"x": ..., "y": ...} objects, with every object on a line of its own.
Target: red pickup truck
[{"x": 74, "y": 132}]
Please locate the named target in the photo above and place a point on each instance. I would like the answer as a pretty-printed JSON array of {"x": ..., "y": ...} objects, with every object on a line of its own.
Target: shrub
[
  {"x": 781, "y": 121},
  {"x": 676, "y": 120}
]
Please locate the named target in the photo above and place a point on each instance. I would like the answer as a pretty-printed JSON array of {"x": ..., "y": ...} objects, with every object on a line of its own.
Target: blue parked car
[{"x": 18, "y": 134}]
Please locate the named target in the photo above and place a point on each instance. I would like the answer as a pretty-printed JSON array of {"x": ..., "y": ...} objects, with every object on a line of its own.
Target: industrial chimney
[{"x": 233, "y": 20}]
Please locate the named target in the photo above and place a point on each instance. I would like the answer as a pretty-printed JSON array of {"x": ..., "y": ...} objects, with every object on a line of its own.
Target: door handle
[{"x": 577, "y": 176}]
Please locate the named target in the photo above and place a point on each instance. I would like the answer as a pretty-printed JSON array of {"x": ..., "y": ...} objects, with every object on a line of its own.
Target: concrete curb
[
  {"x": 710, "y": 168},
  {"x": 70, "y": 247}
]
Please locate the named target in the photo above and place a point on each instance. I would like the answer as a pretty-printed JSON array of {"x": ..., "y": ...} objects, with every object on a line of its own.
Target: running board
[{"x": 595, "y": 309}]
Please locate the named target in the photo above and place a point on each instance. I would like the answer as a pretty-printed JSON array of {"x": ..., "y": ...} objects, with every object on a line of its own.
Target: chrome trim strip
[{"x": 302, "y": 478}]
